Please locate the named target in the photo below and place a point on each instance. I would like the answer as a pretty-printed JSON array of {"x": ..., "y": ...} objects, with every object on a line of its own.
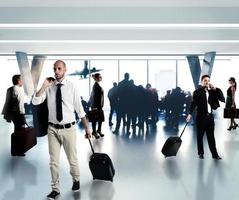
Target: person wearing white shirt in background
[
  {"x": 61, "y": 124},
  {"x": 13, "y": 109}
]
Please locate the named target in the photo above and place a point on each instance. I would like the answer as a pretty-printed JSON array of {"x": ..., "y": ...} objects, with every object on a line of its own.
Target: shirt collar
[{"x": 63, "y": 82}]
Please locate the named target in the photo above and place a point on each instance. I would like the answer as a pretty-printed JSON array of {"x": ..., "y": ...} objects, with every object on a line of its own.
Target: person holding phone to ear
[
  {"x": 204, "y": 116},
  {"x": 63, "y": 99}
]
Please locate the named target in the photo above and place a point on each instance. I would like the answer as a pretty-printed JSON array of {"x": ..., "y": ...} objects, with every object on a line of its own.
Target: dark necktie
[{"x": 59, "y": 103}]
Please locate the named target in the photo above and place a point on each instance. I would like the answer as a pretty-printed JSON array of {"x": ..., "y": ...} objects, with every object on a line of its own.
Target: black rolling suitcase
[
  {"x": 22, "y": 141},
  {"x": 101, "y": 166},
  {"x": 172, "y": 145}
]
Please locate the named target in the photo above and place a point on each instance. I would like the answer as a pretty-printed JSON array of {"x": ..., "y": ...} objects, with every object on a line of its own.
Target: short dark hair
[
  {"x": 232, "y": 79},
  {"x": 205, "y": 76},
  {"x": 96, "y": 75},
  {"x": 16, "y": 78},
  {"x": 126, "y": 75}
]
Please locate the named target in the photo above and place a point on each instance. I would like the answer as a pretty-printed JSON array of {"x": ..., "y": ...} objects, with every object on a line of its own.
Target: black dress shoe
[
  {"x": 235, "y": 126},
  {"x": 230, "y": 128},
  {"x": 96, "y": 135},
  {"x": 217, "y": 157},
  {"x": 76, "y": 186},
  {"x": 201, "y": 156},
  {"x": 100, "y": 133},
  {"x": 116, "y": 131},
  {"x": 53, "y": 195}
]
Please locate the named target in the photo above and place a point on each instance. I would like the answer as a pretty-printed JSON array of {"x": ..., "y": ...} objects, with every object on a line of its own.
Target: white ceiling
[
  {"x": 119, "y": 30},
  {"x": 120, "y": 3}
]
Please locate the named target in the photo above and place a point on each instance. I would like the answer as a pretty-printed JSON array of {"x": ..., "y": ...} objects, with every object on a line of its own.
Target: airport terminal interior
[{"x": 164, "y": 47}]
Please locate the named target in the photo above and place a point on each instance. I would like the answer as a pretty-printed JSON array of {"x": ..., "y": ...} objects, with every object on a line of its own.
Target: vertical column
[
  {"x": 25, "y": 73},
  {"x": 89, "y": 61},
  {"x": 176, "y": 73},
  {"x": 195, "y": 68},
  {"x": 208, "y": 62},
  {"x": 36, "y": 69},
  {"x": 147, "y": 71}
]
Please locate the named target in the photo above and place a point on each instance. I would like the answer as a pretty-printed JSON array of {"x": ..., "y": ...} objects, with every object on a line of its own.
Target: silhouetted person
[
  {"x": 97, "y": 103},
  {"x": 141, "y": 102},
  {"x": 14, "y": 109},
  {"x": 167, "y": 105},
  {"x": 131, "y": 109},
  {"x": 230, "y": 101},
  {"x": 152, "y": 104},
  {"x": 204, "y": 116},
  {"x": 188, "y": 100},
  {"x": 123, "y": 101},
  {"x": 112, "y": 95},
  {"x": 178, "y": 99}
]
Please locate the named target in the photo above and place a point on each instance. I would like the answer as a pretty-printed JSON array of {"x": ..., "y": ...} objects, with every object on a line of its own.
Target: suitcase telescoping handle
[
  {"x": 91, "y": 146},
  {"x": 183, "y": 129}
]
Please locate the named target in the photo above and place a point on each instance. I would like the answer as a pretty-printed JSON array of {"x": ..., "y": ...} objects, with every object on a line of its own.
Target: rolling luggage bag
[
  {"x": 101, "y": 166},
  {"x": 22, "y": 141},
  {"x": 172, "y": 145}
]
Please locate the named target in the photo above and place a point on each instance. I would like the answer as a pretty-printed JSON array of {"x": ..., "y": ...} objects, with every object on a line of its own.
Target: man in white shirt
[
  {"x": 63, "y": 99},
  {"x": 13, "y": 109}
]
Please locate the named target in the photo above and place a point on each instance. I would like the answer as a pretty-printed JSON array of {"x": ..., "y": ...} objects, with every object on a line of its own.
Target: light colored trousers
[{"x": 67, "y": 138}]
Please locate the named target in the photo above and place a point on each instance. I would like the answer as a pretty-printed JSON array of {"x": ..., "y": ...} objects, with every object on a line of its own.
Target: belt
[{"x": 61, "y": 126}]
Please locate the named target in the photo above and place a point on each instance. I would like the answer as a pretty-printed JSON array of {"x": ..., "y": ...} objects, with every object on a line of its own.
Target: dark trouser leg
[
  {"x": 94, "y": 127},
  {"x": 200, "y": 133},
  {"x": 19, "y": 122},
  {"x": 111, "y": 114},
  {"x": 210, "y": 136},
  {"x": 99, "y": 126},
  {"x": 118, "y": 120}
]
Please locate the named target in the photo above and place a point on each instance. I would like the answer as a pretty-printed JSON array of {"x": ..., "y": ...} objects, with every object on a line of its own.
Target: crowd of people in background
[{"x": 138, "y": 106}]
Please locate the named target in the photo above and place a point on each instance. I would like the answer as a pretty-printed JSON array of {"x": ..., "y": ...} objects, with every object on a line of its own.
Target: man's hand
[
  {"x": 189, "y": 117},
  {"x": 211, "y": 86},
  {"x": 45, "y": 85},
  {"x": 48, "y": 82},
  {"x": 87, "y": 133}
]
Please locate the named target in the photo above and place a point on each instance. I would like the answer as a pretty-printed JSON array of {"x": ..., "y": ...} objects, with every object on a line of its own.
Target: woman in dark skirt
[
  {"x": 230, "y": 101},
  {"x": 96, "y": 103}
]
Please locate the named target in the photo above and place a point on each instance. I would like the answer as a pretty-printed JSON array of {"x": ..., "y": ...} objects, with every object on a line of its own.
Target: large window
[
  {"x": 137, "y": 70},
  {"x": 185, "y": 80},
  {"x": 162, "y": 75}
]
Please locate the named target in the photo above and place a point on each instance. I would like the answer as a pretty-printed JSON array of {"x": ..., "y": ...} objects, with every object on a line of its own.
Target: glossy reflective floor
[{"x": 142, "y": 172}]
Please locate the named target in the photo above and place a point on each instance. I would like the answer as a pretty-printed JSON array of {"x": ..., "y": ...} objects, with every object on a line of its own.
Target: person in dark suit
[
  {"x": 13, "y": 109},
  {"x": 230, "y": 101},
  {"x": 112, "y": 95},
  {"x": 97, "y": 103},
  {"x": 204, "y": 117}
]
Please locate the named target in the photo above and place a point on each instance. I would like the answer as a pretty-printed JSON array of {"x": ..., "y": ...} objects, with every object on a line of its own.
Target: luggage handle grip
[
  {"x": 91, "y": 146},
  {"x": 183, "y": 130}
]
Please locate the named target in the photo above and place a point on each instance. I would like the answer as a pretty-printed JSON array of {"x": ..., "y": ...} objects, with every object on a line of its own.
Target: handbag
[
  {"x": 231, "y": 113},
  {"x": 95, "y": 115}
]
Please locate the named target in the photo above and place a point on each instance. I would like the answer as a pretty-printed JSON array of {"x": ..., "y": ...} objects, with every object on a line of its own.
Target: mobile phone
[{"x": 50, "y": 79}]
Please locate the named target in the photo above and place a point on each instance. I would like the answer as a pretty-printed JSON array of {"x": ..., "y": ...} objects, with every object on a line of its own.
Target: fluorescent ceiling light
[
  {"x": 121, "y": 41},
  {"x": 116, "y": 26}
]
